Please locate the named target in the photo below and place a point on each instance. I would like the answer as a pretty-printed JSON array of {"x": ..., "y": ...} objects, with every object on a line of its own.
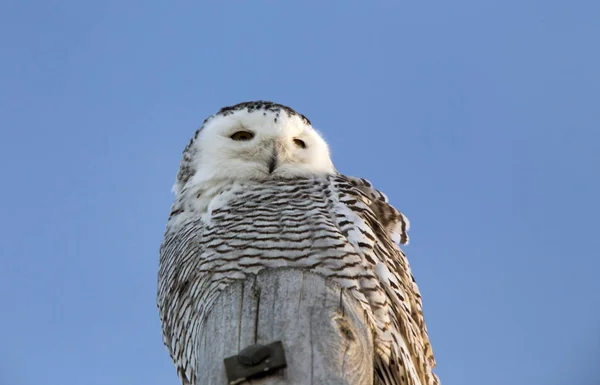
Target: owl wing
[
  {"x": 393, "y": 221},
  {"x": 389, "y": 228},
  {"x": 177, "y": 281}
]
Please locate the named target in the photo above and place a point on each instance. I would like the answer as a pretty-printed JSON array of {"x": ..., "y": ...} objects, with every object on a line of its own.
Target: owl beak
[{"x": 273, "y": 160}]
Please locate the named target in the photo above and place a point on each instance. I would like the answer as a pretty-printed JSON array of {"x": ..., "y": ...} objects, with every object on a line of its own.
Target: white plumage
[{"x": 257, "y": 189}]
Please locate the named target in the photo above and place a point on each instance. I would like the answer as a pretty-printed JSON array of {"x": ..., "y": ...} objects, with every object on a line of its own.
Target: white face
[{"x": 257, "y": 145}]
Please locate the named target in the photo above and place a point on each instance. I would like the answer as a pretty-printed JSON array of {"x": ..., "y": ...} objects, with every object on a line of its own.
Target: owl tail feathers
[
  {"x": 186, "y": 379},
  {"x": 392, "y": 372}
]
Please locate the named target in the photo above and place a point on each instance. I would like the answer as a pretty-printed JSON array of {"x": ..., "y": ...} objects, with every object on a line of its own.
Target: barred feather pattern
[{"x": 334, "y": 225}]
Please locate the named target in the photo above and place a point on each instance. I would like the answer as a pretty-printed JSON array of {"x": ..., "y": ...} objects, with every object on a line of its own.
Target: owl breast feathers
[{"x": 257, "y": 190}]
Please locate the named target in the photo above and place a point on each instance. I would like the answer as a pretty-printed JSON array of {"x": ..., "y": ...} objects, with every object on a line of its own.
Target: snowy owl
[{"x": 257, "y": 189}]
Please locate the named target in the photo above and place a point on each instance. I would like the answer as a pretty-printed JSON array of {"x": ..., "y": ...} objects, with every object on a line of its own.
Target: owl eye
[
  {"x": 242, "y": 136},
  {"x": 300, "y": 143}
]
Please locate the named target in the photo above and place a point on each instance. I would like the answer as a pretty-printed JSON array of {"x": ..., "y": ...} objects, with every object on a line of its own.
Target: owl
[{"x": 256, "y": 189}]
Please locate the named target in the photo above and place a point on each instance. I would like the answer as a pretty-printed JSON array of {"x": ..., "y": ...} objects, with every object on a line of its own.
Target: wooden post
[{"x": 322, "y": 327}]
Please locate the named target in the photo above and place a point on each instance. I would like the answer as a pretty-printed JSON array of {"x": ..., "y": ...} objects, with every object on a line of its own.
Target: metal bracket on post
[{"x": 255, "y": 361}]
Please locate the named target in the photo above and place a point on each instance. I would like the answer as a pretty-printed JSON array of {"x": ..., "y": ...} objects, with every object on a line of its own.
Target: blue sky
[{"x": 479, "y": 119}]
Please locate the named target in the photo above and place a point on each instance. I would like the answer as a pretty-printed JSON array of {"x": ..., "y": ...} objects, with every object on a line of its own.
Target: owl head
[{"x": 254, "y": 140}]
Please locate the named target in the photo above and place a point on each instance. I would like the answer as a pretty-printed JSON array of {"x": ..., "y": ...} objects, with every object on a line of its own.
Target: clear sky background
[{"x": 480, "y": 119}]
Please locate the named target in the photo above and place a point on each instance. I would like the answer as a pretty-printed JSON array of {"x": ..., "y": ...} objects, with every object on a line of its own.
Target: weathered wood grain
[{"x": 323, "y": 330}]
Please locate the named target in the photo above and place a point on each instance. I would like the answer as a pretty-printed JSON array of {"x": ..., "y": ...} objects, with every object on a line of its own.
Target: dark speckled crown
[{"x": 261, "y": 105}]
